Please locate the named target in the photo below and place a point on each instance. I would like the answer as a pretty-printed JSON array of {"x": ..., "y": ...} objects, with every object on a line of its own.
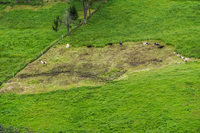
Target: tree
[
  {"x": 73, "y": 12},
  {"x": 67, "y": 20},
  {"x": 104, "y": 1},
  {"x": 89, "y": 5},
  {"x": 84, "y": 3},
  {"x": 57, "y": 23},
  {"x": 70, "y": 15}
]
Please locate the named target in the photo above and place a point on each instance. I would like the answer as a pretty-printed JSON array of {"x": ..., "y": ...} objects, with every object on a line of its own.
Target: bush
[
  {"x": 57, "y": 23},
  {"x": 73, "y": 12}
]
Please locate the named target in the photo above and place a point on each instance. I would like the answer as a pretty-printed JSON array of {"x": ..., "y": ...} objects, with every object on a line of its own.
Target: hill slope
[
  {"x": 68, "y": 68},
  {"x": 175, "y": 22},
  {"x": 165, "y": 99},
  {"x": 24, "y": 34},
  {"x": 162, "y": 100}
]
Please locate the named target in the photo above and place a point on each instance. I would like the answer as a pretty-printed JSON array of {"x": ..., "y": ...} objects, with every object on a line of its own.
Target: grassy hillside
[
  {"x": 151, "y": 96},
  {"x": 68, "y": 68},
  {"x": 24, "y": 34},
  {"x": 26, "y": 31},
  {"x": 162, "y": 100},
  {"x": 174, "y": 22}
]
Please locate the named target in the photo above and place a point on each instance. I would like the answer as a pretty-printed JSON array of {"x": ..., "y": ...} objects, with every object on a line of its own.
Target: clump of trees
[
  {"x": 86, "y": 6},
  {"x": 71, "y": 14}
]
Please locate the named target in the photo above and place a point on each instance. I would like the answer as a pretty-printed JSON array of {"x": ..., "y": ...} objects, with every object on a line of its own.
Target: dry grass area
[
  {"x": 28, "y": 7},
  {"x": 82, "y": 66},
  {"x": 47, "y": 5}
]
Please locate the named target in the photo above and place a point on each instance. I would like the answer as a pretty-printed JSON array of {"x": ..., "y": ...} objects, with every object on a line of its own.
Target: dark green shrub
[
  {"x": 73, "y": 12},
  {"x": 57, "y": 23}
]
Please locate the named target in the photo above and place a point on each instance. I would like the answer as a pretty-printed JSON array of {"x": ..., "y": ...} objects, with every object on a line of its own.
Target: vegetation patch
[
  {"x": 174, "y": 22},
  {"x": 27, "y": 7},
  {"x": 71, "y": 67},
  {"x": 28, "y": 29},
  {"x": 11, "y": 129},
  {"x": 158, "y": 100},
  {"x": 24, "y": 34},
  {"x": 128, "y": 88}
]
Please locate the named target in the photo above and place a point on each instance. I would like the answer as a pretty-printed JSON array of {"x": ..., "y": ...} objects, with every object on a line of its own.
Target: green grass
[
  {"x": 162, "y": 100},
  {"x": 26, "y": 31},
  {"x": 24, "y": 34},
  {"x": 2, "y": 6},
  {"x": 21, "y": 2},
  {"x": 174, "y": 22}
]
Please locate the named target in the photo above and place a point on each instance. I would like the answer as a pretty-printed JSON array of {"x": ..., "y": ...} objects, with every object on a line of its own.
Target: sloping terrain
[
  {"x": 67, "y": 68},
  {"x": 24, "y": 33},
  {"x": 160, "y": 100},
  {"x": 176, "y": 22},
  {"x": 114, "y": 88},
  {"x": 26, "y": 30}
]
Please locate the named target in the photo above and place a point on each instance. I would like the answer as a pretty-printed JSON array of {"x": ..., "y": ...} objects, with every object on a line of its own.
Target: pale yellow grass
[{"x": 46, "y": 5}]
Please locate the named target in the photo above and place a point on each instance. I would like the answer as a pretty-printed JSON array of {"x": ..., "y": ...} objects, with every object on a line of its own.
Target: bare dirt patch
[
  {"x": 13, "y": 87},
  {"x": 67, "y": 68}
]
